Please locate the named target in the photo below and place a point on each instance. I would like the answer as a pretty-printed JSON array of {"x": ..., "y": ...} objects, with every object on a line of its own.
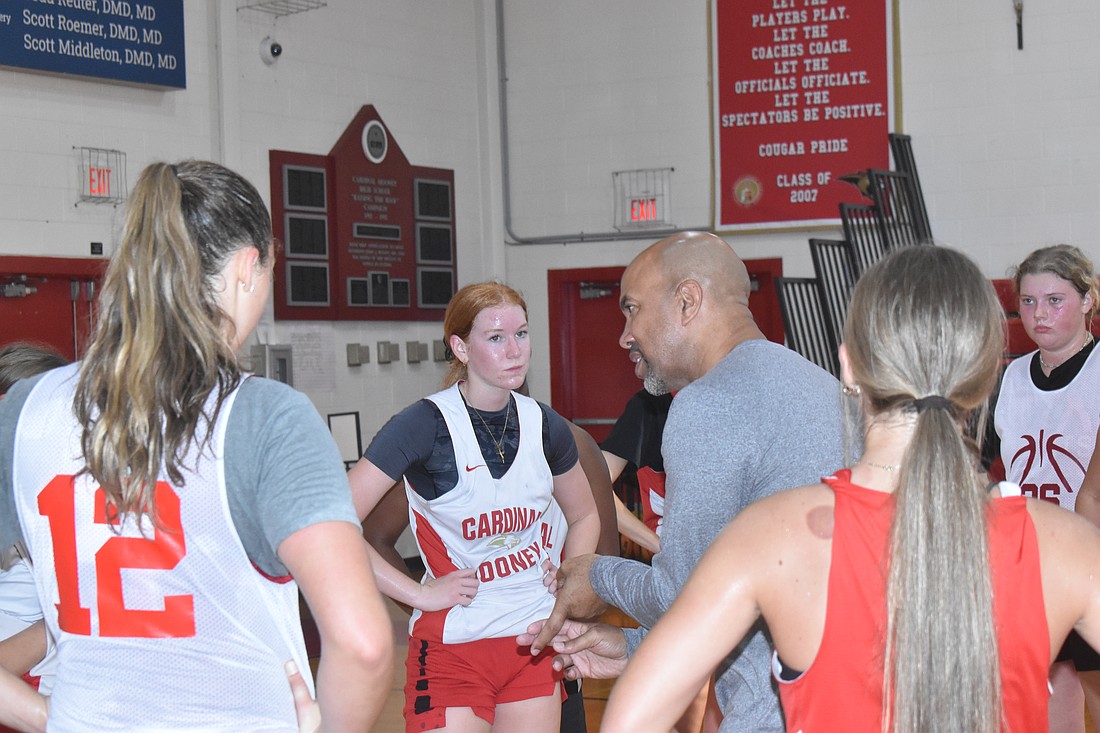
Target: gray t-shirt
[
  {"x": 283, "y": 471},
  {"x": 762, "y": 420},
  {"x": 416, "y": 443}
]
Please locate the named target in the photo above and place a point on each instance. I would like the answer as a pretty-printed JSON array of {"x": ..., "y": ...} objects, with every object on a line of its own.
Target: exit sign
[
  {"x": 642, "y": 198},
  {"x": 643, "y": 209},
  {"x": 99, "y": 181},
  {"x": 102, "y": 176}
]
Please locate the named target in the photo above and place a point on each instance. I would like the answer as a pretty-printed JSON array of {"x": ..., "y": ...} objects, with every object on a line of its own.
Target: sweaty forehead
[
  {"x": 1044, "y": 282},
  {"x": 500, "y": 317}
]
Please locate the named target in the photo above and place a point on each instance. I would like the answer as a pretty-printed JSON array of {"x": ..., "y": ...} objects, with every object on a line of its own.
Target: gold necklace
[
  {"x": 498, "y": 443},
  {"x": 1049, "y": 368}
]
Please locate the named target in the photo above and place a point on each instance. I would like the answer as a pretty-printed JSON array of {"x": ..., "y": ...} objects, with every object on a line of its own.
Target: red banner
[{"x": 802, "y": 95}]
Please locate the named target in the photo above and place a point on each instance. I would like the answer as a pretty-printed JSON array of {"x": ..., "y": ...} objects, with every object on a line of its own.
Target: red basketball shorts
[{"x": 477, "y": 674}]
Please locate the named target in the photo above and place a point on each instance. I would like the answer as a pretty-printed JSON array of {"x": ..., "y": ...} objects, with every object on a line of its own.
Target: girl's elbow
[
  {"x": 377, "y": 649},
  {"x": 369, "y": 644},
  {"x": 375, "y": 654}
]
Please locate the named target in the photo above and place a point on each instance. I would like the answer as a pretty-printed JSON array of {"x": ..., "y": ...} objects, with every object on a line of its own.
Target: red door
[
  {"x": 48, "y": 300},
  {"x": 591, "y": 377}
]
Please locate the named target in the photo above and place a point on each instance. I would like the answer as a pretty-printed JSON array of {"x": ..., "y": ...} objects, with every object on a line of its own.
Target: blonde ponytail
[
  {"x": 925, "y": 335},
  {"x": 160, "y": 345}
]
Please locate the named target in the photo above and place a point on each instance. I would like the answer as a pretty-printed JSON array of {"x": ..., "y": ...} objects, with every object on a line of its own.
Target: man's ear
[{"x": 689, "y": 296}]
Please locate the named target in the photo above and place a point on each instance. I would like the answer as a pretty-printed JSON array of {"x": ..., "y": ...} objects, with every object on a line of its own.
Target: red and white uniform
[
  {"x": 1047, "y": 437},
  {"x": 171, "y": 612},
  {"x": 494, "y": 525},
  {"x": 651, "y": 488},
  {"x": 842, "y": 689}
]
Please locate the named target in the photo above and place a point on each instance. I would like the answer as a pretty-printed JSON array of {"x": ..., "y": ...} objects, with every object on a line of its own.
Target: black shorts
[
  {"x": 572, "y": 710},
  {"x": 1077, "y": 650}
]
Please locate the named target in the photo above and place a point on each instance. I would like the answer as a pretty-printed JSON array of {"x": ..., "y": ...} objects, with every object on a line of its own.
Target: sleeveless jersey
[
  {"x": 498, "y": 526},
  {"x": 1047, "y": 437},
  {"x": 848, "y": 666},
  {"x": 636, "y": 438},
  {"x": 160, "y": 626},
  {"x": 553, "y": 529}
]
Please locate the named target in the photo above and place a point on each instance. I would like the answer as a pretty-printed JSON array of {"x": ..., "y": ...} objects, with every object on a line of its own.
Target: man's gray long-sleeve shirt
[{"x": 762, "y": 420}]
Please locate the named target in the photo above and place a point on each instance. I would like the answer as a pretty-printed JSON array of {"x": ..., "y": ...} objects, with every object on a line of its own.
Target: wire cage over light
[
  {"x": 643, "y": 198},
  {"x": 102, "y": 176}
]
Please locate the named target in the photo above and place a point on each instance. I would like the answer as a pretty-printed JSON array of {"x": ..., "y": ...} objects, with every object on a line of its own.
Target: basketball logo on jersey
[
  {"x": 514, "y": 562},
  {"x": 504, "y": 526},
  {"x": 1045, "y": 467},
  {"x": 505, "y": 541}
]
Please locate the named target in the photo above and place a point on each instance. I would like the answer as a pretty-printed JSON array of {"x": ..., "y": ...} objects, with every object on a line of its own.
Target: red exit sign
[
  {"x": 642, "y": 198},
  {"x": 99, "y": 181},
  {"x": 644, "y": 209},
  {"x": 102, "y": 178}
]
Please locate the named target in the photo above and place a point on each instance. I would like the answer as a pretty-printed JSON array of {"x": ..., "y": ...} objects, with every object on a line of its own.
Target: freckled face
[
  {"x": 498, "y": 350},
  {"x": 1053, "y": 312}
]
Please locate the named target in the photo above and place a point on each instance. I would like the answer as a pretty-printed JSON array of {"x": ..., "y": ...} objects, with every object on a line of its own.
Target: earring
[
  {"x": 851, "y": 391},
  {"x": 250, "y": 289}
]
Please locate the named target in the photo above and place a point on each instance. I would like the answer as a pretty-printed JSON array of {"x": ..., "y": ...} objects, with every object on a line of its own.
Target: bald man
[{"x": 750, "y": 418}]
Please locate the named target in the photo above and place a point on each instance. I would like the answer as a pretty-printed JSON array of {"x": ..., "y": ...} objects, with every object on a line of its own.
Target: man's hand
[
  {"x": 596, "y": 651},
  {"x": 576, "y": 599},
  {"x": 453, "y": 589},
  {"x": 305, "y": 707}
]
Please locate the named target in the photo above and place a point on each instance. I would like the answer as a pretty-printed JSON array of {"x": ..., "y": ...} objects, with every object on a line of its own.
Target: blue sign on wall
[{"x": 113, "y": 40}]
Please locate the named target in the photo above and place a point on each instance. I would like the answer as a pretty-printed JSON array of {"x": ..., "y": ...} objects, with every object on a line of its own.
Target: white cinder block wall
[
  {"x": 1008, "y": 141},
  {"x": 418, "y": 64}
]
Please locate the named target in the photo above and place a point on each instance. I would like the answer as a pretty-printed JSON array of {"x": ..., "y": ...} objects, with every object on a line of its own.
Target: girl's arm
[
  {"x": 674, "y": 661},
  {"x": 329, "y": 561},
  {"x": 575, "y": 499},
  {"x": 1088, "y": 496},
  {"x": 603, "y": 493},
  {"x": 385, "y": 524},
  {"x": 615, "y": 465},
  {"x": 635, "y": 529},
  {"x": 21, "y": 707},
  {"x": 21, "y": 651},
  {"x": 368, "y": 485},
  {"x": 629, "y": 525}
]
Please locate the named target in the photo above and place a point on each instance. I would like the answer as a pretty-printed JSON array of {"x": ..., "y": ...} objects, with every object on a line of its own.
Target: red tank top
[{"x": 842, "y": 689}]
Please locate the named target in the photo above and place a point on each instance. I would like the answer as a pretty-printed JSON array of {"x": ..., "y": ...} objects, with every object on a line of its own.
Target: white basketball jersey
[
  {"x": 493, "y": 525},
  {"x": 1047, "y": 437},
  {"x": 165, "y": 627},
  {"x": 554, "y": 528}
]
